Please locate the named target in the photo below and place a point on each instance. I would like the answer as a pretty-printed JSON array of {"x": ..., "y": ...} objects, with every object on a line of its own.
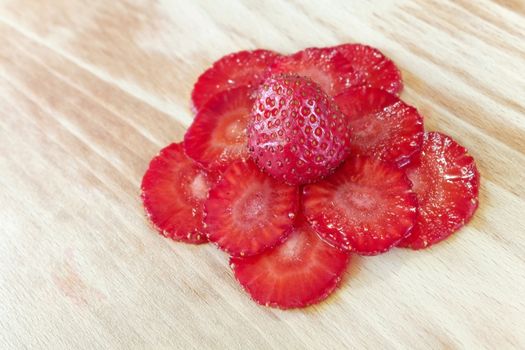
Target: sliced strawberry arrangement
[
  {"x": 327, "y": 67},
  {"x": 295, "y": 162},
  {"x": 366, "y": 206},
  {"x": 446, "y": 182},
  {"x": 302, "y": 271},
  {"x": 381, "y": 125},
  {"x": 297, "y": 133},
  {"x": 217, "y": 136},
  {"x": 372, "y": 67},
  {"x": 173, "y": 192},
  {"x": 241, "y": 68},
  {"x": 248, "y": 212}
]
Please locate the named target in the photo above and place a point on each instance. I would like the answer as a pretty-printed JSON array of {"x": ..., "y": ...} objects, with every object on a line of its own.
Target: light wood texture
[{"x": 91, "y": 90}]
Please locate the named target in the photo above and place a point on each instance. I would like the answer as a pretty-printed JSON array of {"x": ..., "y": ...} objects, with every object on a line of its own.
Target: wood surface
[{"x": 91, "y": 90}]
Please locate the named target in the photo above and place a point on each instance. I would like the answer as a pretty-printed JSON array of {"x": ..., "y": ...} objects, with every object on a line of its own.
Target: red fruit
[
  {"x": 381, "y": 125},
  {"x": 326, "y": 67},
  {"x": 366, "y": 206},
  {"x": 372, "y": 67},
  {"x": 296, "y": 133},
  {"x": 446, "y": 182},
  {"x": 173, "y": 192},
  {"x": 217, "y": 136},
  {"x": 236, "y": 69},
  {"x": 248, "y": 212},
  {"x": 302, "y": 271}
]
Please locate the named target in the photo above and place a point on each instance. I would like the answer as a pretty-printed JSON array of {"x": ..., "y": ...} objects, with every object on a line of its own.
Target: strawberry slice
[
  {"x": 371, "y": 66},
  {"x": 302, "y": 271},
  {"x": 217, "y": 136},
  {"x": 381, "y": 125},
  {"x": 247, "y": 211},
  {"x": 236, "y": 69},
  {"x": 173, "y": 192},
  {"x": 326, "y": 67},
  {"x": 366, "y": 206},
  {"x": 446, "y": 182}
]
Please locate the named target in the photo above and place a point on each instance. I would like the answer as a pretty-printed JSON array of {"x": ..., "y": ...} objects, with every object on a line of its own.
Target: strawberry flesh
[
  {"x": 248, "y": 212},
  {"x": 217, "y": 136},
  {"x": 366, "y": 206},
  {"x": 372, "y": 67},
  {"x": 446, "y": 182},
  {"x": 173, "y": 192},
  {"x": 325, "y": 66},
  {"x": 301, "y": 271},
  {"x": 296, "y": 132},
  {"x": 381, "y": 125},
  {"x": 241, "y": 68}
]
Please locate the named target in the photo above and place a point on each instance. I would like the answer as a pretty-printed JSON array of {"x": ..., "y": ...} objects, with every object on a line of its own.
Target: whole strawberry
[{"x": 296, "y": 132}]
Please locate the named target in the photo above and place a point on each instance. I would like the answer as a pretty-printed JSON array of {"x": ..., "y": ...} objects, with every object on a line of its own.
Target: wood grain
[{"x": 90, "y": 91}]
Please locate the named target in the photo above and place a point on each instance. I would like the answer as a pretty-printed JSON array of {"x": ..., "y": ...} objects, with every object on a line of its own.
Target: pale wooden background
[{"x": 91, "y": 90}]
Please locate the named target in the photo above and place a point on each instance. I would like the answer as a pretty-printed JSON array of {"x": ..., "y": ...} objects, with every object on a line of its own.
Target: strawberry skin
[
  {"x": 366, "y": 206},
  {"x": 372, "y": 67},
  {"x": 173, "y": 192},
  {"x": 381, "y": 125},
  {"x": 301, "y": 271},
  {"x": 240, "y": 68},
  {"x": 446, "y": 182},
  {"x": 217, "y": 136},
  {"x": 248, "y": 212},
  {"x": 296, "y": 132},
  {"x": 325, "y": 66}
]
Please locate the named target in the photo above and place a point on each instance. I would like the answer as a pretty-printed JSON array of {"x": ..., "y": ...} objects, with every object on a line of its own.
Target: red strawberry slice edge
[
  {"x": 173, "y": 190},
  {"x": 300, "y": 272},
  {"x": 248, "y": 212}
]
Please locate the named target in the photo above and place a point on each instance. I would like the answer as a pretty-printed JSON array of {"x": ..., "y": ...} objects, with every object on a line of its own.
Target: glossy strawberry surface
[
  {"x": 296, "y": 133},
  {"x": 446, "y": 181},
  {"x": 366, "y": 206}
]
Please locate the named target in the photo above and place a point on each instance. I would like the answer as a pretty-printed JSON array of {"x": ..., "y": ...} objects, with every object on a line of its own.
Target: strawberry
[
  {"x": 381, "y": 125},
  {"x": 236, "y": 69},
  {"x": 296, "y": 132},
  {"x": 173, "y": 192},
  {"x": 302, "y": 271},
  {"x": 217, "y": 136},
  {"x": 366, "y": 206},
  {"x": 325, "y": 66},
  {"x": 248, "y": 212},
  {"x": 446, "y": 182},
  {"x": 372, "y": 67}
]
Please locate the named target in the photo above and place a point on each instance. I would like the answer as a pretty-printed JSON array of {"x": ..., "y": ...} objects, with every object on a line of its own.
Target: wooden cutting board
[{"x": 91, "y": 90}]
